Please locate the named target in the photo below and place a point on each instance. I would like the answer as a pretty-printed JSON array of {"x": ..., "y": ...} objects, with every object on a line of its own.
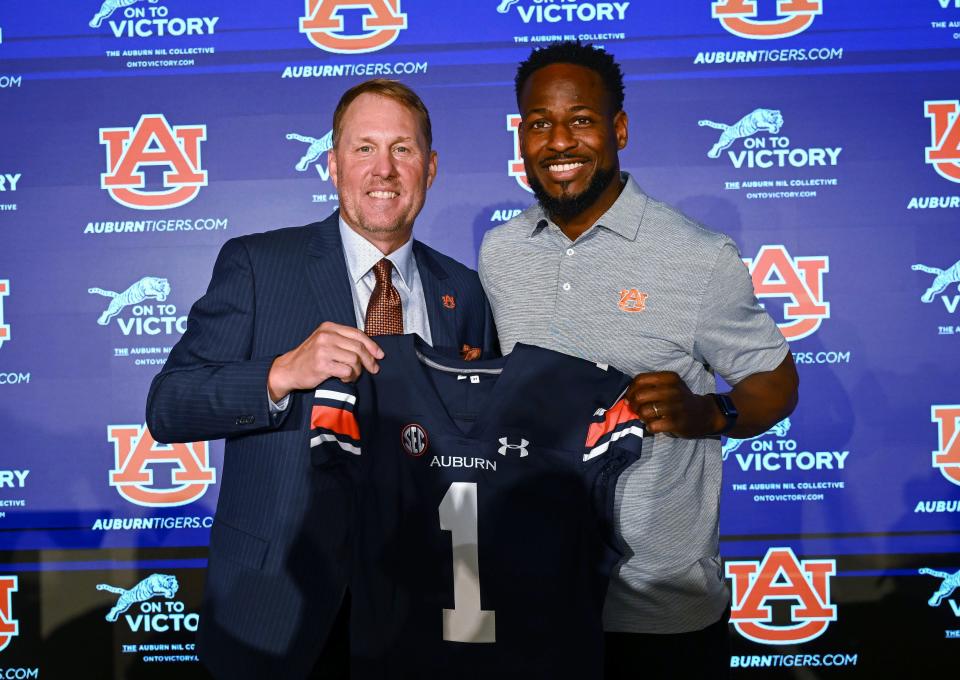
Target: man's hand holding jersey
[
  {"x": 331, "y": 351},
  {"x": 667, "y": 405}
]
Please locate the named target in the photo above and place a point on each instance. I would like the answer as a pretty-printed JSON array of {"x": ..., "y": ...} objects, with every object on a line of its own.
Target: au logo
[
  {"x": 781, "y": 576},
  {"x": 800, "y": 279},
  {"x": 323, "y": 23},
  {"x": 947, "y": 457},
  {"x": 9, "y": 626},
  {"x": 632, "y": 300},
  {"x": 944, "y": 150},
  {"x": 153, "y": 141},
  {"x": 740, "y": 18},
  {"x": 515, "y": 165},
  {"x": 4, "y": 327},
  {"x": 136, "y": 451}
]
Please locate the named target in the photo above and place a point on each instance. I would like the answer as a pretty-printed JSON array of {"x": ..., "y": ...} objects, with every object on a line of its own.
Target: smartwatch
[{"x": 729, "y": 411}]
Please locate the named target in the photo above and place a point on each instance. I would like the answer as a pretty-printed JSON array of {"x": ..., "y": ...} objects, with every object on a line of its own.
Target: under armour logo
[{"x": 522, "y": 446}]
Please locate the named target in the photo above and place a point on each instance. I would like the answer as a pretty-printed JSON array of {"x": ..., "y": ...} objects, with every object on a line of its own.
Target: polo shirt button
[
  {"x": 566, "y": 286},
  {"x": 569, "y": 251}
]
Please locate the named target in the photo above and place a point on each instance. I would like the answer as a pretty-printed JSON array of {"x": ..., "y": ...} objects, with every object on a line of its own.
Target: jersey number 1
[{"x": 466, "y": 622}]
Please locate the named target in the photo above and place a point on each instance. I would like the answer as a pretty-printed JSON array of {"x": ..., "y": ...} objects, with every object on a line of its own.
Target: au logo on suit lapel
[
  {"x": 436, "y": 291},
  {"x": 441, "y": 310}
]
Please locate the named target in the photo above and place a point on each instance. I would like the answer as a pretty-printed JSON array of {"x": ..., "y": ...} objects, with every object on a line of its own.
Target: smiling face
[
  {"x": 569, "y": 139},
  {"x": 382, "y": 167}
]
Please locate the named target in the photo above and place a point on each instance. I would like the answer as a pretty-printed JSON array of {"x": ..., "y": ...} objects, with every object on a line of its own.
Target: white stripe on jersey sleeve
[
  {"x": 600, "y": 450},
  {"x": 321, "y": 438},
  {"x": 335, "y": 396}
]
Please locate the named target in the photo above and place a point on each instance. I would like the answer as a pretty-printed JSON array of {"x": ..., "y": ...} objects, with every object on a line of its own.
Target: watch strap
[{"x": 729, "y": 411}]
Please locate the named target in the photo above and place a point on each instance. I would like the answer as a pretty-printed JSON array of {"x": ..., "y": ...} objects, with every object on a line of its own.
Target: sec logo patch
[{"x": 414, "y": 440}]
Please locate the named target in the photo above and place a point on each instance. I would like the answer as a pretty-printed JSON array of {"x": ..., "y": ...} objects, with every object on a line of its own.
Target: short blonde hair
[{"x": 391, "y": 89}]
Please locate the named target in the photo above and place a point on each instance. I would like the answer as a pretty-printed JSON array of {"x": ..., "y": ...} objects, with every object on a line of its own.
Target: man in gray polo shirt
[{"x": 599, "y": 270}]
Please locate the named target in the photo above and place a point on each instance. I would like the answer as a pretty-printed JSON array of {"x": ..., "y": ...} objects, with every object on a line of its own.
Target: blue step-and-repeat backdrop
[{"x": 136, "y": 136}]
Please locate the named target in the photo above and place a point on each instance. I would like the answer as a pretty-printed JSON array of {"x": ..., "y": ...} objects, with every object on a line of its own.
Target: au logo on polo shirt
[{"x": 632, "y": 300}]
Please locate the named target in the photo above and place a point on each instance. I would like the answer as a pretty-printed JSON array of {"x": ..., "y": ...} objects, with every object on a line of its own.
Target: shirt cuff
[{"x": 280, "y": 406}]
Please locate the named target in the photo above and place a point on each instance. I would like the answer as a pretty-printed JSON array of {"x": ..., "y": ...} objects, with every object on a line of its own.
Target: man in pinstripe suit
[{"x": 281, "y": 315}]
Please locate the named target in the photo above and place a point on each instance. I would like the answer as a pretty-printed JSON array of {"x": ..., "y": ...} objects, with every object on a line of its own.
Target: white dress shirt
[{"x": 360, "y": 256}]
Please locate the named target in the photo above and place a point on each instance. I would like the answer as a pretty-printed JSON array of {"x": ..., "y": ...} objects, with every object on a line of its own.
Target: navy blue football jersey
[{"x": 484, "y": 536}]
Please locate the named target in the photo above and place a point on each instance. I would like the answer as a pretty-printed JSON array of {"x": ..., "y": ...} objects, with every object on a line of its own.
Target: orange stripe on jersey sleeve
[
  {"x": 615, "y": 416},
  {"x": 336, "y": 420}
]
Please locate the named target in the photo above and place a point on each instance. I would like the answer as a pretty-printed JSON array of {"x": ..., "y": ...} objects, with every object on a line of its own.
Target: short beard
[
  {"x": 386, "y": 229},
  {"x": 367, "y": 227},
  {"x": 566, "y": 208}
]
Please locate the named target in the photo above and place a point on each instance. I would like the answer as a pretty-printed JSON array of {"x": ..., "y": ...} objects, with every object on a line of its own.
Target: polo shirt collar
[
  {"x": 623, "y": 217},
  {"x": 361, "y": 255}
]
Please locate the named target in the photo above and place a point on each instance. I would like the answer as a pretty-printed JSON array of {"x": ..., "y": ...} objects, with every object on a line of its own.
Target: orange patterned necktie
[{"x": 384, "y": 312}]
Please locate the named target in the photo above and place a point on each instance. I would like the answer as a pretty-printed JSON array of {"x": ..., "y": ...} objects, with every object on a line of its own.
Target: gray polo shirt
[{"x": 644, "y": 289}]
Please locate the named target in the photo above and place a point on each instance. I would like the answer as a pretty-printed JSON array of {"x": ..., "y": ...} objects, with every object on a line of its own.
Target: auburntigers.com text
[
  {"x": 762, "y": 56},
  {"x": 141, "y": 226},
  {"x": 400, "y": 68},
  {"x": 19, "y": 673},
  {"x": 792, "y": 660}
]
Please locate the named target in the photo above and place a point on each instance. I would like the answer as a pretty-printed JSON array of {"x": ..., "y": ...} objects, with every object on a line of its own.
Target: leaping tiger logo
[
  {"x": 109, "y": 7},
  {"x": 149, "y": 287},
  {"x": 944, "y": 277},
  {"x": 155, "y": 584},
  {"x": 950, "y": 583},
  {"x": 318, "y": 147},
  {"x": 780, "y": 430},
  {"x": 759, "y": 119}
]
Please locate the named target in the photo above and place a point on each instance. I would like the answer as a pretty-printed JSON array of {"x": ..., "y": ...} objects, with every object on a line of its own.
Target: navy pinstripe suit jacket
[{"x": 279, "y": 562}]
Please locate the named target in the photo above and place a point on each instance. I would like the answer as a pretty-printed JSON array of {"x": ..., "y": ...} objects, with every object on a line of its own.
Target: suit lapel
[
  {"x": 327, "y": 273},
  {"x": 439, "y": 296},
  {"x": 330, "y": 282}
]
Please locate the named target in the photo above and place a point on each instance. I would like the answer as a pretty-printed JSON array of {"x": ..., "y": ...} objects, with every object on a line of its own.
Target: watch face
[
  {"x": 726, "y": 405},
  {"x": 729, "y": 411}
]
